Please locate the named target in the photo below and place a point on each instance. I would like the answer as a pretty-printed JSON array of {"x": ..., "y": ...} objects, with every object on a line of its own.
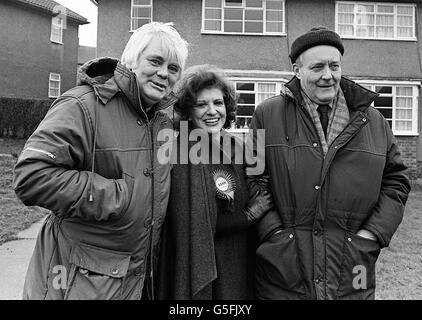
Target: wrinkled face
[
  {"x": 209, "y": 113},
  {"x": 157, "y": 72},
  {"x": 319, "y": 72}
]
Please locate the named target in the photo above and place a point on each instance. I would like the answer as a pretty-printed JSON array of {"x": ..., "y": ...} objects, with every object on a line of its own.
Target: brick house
[
  {"x": 250, "y": 39},
  {"x": 39, "y": 48}
]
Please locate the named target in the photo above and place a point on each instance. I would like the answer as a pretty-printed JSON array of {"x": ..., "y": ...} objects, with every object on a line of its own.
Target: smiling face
[
  {"x": 319, "y": 72},
  {"x": 157, "y": 71},
  {"x": 209, "y": 113}
]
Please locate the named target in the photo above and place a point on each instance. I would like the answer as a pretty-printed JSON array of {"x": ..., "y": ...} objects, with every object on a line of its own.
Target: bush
[{"x": 19, "y": 117}]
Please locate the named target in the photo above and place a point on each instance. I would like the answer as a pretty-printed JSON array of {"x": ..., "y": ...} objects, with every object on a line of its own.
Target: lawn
[
  {"x": 14, "y": 216},
  {"x": 399, "y": 267}
]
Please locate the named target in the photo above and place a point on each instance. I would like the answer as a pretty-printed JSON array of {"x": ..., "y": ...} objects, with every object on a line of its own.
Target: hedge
[{"x": 19, "y": 117}]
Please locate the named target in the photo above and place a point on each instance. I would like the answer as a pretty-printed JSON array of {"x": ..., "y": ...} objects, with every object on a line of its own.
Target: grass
[
  {"x": 14, "y": 216},
  {"x": 11, "y": 146},
  {"x": 399, "y": 267}
]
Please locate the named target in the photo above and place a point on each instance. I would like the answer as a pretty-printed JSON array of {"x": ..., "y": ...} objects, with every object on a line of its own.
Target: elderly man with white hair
[{"x": 93, "y": 162}]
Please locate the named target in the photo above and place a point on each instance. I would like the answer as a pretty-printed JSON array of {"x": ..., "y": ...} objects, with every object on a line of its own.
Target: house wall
[
  {"x": 27, "y": 55},
  {"x": 366, "y": 59}
]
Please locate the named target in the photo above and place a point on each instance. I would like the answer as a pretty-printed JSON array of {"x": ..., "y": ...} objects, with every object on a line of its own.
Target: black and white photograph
[{"x": 210, "y": 154}]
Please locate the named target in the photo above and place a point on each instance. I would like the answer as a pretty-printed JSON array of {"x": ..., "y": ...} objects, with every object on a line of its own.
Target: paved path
[{"x": 14, "y": 260}]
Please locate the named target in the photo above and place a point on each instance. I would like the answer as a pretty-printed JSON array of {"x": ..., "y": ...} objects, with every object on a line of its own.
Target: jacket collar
[{"x": 357, "y": 97}]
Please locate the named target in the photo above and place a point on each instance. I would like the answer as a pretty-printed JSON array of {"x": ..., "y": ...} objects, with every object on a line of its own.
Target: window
[
  {"x": 251, "y": 93},
  {"x": 369, "y": 20},
  {"x": 57, "y": 29},
  {"x": 140, "y": 13},
  {"x": 243, "y": 16},
  {"x": 398, "y": 103},
  {"x": 54, "y": 85}
]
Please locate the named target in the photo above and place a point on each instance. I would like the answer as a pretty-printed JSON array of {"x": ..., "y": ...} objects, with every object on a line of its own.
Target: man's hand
[
  {"x": 367, "y": 234},
  {"x": 259, "y": 204}
]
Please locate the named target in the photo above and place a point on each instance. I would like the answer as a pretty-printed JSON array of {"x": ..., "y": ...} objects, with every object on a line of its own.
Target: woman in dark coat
[{"x": 208, "y": 244}]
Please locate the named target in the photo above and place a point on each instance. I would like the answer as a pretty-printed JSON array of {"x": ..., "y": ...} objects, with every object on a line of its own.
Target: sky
[{"x": 87, "y": 32}]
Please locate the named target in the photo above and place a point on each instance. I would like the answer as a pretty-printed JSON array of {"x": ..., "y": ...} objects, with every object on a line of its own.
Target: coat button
[
  {"x": 364, "y": 119},
  {"x": 315, "y": 144},
  {"x": 139, "y": 122},
  {"x": 317, "y": 281},
  {"x": 291, "y": 236},
  {"x": 349, "y": 239},
  {"x": 317, "y": 232},
  {"x": 317, "y": 187},
  {"x": 147, "y": 172},
  {"x": 115, "y": 271},
  {"x": 83, "y": 271}
]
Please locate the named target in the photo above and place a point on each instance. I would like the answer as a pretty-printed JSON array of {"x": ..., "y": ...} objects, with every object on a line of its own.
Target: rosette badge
[{"x": 224, "y": 183}]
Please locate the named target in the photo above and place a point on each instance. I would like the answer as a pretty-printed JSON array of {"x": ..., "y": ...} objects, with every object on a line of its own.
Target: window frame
[
  {"x": 376, "y": 4},
  {"x": 256, "y": 81},
  {"x": 243, "y": 7},
  {"x": 58, "y": 27},
  {"x": 50, "y": 88},
  {"x": 132, "y": 18},
  {"x": 415, "y": 102}
]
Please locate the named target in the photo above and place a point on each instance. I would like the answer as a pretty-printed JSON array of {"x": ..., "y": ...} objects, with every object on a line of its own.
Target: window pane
[
  {"x": 385, "y": 8},
  {"x": 405, "y": 32},
  {"x": 385, "y": 20},
  {"x": 212, "y": 14},
  {"x": 404, "y": 125},
  {"x": 404, "y": 21},
  {"x": 233, "y": 14},
  {"x": 384, "y": 102},
  {"x": 385, "y": 32},
  {"x": 345, "y": 18},
  {"x": 245, "y": 86},
  {"x": 365, "y": 8},
  {"x": 254, "y": 15},
  {"x": 383, "y": 89},
  {"x": 245, "y": 110},
  {"x": 141, "y": 12},
  {"x": 255, "y": 27},
  {"x": 404, "y": 91},
  {"x": 343, "y": 7},
  {"x": 144, "y": 2},
  {"x": 230, "y": 26},
  {"x": 140, "y": 22},
  {"x": 214, "y": 25},
  {"x": 387, "y": 113},
  {"x": 345, "y": 30},
  {"x": 248, "y": 98},
  {"x": 407, "y": 10},
  {"x": 254, "y": 3},
  {"x": 266, "y": 87},
  {"x": 362, "y": 31},
  {"x": 365, "y": 19},
  {"x": 404, "y": 114},
  {"x": 234, "y": 3},
  {"x": 274, "y": 27},
  {"x": 213, "y": 3},
  {"x": 274, "y": 4},
  {"x": 274, "y": 15},
  {"x": 404, "y": 103}
]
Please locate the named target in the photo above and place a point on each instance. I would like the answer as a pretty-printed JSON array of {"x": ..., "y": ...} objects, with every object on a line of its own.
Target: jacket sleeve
[
  {"x": 51, "y": 170},
  {"x": 271, "y": 221},
  {"x": 387, "y": 214}
]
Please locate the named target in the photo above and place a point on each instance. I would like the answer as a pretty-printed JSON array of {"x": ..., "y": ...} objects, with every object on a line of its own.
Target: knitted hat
[{"x": 315, "y": 37}]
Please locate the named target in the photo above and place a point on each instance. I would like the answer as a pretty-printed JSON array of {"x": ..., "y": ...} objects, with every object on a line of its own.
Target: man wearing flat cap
[{"x": 336, "y": 176}]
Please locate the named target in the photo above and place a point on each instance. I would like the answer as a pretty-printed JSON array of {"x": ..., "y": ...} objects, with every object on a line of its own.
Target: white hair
[{"x": 142, "y": 37}]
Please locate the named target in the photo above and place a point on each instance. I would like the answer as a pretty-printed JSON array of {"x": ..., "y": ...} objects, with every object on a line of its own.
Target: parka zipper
[
  {"x": 151, "y": 170},
  {"x": 48, "y": 154}
]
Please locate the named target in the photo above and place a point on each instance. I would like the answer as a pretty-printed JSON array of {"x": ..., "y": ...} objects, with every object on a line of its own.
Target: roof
[
  {"x": 86, "y": 53},
  {"x": 51, "y": 7}
]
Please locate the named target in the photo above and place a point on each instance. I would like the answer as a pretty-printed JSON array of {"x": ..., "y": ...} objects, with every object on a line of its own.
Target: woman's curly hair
[{"x": 201, "y": 77}]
